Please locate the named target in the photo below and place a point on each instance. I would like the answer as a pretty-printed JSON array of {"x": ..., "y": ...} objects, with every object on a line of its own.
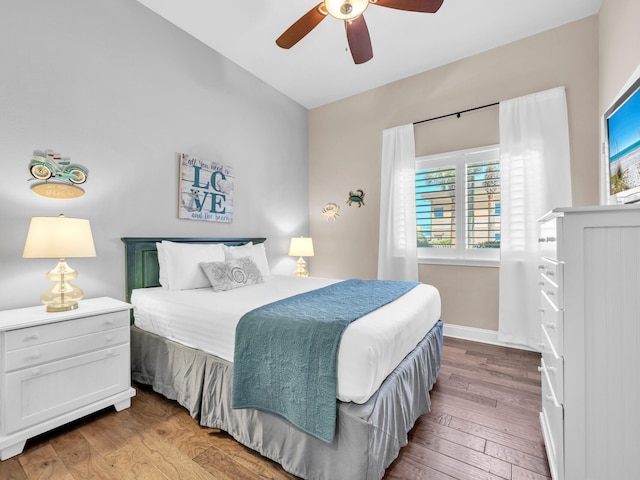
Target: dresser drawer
[
  {"x": 552, "y": 420},
  {"x": 551, "y": 280},
  {"x": 548, "y": 239},
  {"x": 553, "y": 366},
  {"x": 37, "y": 335},
  {"x": 47, "y": 352},
  {"x": 552, "y": 321},
  {"x": 46, "y": 391}
]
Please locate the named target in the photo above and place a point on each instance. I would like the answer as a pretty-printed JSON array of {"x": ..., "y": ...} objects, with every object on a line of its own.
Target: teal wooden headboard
[{"x": 141, "y": 258}]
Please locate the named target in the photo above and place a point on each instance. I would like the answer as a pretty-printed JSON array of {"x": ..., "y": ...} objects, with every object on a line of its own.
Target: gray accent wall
[{"x": 123, "y": 92}]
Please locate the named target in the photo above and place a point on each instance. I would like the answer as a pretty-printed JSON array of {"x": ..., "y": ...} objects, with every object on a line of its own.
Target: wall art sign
[{"x": 206, "y": 190}]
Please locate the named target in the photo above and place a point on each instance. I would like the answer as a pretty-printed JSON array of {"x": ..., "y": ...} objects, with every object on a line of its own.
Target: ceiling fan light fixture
[{"x": 346, "y": 9}]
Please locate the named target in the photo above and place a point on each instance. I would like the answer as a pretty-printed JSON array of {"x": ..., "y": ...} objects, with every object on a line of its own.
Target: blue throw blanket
[{"x": 286, "y": 352}]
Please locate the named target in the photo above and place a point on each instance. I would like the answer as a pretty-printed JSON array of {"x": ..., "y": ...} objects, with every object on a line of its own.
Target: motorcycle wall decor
[{"x": 58, "y": 177}]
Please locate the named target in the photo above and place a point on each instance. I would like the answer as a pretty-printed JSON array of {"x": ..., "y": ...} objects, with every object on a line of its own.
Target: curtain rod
[{"x": 457, "y": 113}]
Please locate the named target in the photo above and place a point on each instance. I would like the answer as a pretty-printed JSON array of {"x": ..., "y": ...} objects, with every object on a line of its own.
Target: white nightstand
[{"x": 58, "y": 367}]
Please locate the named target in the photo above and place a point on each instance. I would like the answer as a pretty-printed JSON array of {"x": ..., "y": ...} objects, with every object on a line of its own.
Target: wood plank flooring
[{"x": 483, "y": 425}]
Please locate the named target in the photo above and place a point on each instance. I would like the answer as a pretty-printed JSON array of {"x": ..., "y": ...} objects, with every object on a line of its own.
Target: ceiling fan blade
[
  {"x": 359, "y": 40},
  {"x": 304, "y": 25},
  {"x": 425, "y": 6}
]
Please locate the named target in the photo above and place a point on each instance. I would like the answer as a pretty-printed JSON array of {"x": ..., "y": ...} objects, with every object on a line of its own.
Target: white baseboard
[{"x": 478, "y": 335}]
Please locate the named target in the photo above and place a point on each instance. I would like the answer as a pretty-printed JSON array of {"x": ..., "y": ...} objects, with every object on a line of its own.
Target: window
[{"x": 458, "y": 205}]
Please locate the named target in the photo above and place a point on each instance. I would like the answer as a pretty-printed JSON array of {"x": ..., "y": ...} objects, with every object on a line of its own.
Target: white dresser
[
  {"x": 58, "y": 367},
  {"x": 589, "y": 279}
]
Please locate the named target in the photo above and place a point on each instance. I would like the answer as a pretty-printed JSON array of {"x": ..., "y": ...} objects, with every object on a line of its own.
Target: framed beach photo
[{"x": 206, "y": 190}]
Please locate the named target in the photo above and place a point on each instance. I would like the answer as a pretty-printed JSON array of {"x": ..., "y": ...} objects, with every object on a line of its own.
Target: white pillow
[
  {"x": 162, "y": 266},
  {"x": 183, "y": 263},
  {"x": 257, "y": 252}
]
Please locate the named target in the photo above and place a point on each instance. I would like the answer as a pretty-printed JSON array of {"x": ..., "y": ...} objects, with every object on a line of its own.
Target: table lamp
[
  {"x": 301, "y": 247},
  {"x": 60, "y": 237}
]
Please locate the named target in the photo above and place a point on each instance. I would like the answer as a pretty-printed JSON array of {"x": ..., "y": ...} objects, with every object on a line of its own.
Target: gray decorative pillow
[{"x": 231, "y": 274}]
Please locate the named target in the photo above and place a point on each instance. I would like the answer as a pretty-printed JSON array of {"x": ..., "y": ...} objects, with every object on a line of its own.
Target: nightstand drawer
[
  {"x": 27, "y": 337},
  {"x": 47, "y": 352},
  {"x": 46, "y": 391}
]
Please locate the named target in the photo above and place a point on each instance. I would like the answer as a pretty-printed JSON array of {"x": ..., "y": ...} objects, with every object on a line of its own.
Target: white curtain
[
  {"x": 535, "y": 176},
  {"x": 397, "y": 253}
]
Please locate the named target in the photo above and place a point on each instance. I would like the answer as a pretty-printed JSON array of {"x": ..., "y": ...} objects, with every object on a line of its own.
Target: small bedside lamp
[
  {"x": 301, "y": 247},
  {"x": 60, "y": 237}
]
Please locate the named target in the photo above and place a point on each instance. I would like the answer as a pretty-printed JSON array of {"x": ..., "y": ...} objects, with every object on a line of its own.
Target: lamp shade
[
  {"x": 301, "y": 247},
  {"x": 59, "y": 237}
]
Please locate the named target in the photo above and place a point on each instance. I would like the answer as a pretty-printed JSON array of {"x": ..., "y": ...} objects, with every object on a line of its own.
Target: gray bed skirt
[{"x": 368, "y": 436}]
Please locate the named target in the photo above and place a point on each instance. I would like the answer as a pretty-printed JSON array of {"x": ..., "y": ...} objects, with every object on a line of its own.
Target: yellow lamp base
[
  {"x": 301, "y": 271},
  {"x": 62, "y": 295},
  {"x": 62, "y": 307}
]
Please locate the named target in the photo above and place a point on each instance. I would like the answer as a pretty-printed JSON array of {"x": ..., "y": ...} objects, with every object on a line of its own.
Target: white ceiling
[{"x": 319, "y": 69}]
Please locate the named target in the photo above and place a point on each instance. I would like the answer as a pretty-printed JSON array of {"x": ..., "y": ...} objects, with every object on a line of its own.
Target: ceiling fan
[{"x": 351, "y": 12}]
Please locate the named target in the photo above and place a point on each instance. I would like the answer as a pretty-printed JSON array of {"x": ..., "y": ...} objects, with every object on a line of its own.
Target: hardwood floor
[
  {"x": 483, "y": 422},
  {"x": 483, "y": 425}
]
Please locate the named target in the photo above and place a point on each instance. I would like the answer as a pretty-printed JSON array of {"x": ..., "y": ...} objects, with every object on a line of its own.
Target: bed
[{"x": 371, "y": 425}]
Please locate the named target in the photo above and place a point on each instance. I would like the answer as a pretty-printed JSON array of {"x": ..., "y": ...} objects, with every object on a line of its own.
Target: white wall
[{"x": 123, "y": 92}]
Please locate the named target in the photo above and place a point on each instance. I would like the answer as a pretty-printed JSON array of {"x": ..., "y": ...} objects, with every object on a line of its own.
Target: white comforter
[{"x": 371, "y": 347}]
